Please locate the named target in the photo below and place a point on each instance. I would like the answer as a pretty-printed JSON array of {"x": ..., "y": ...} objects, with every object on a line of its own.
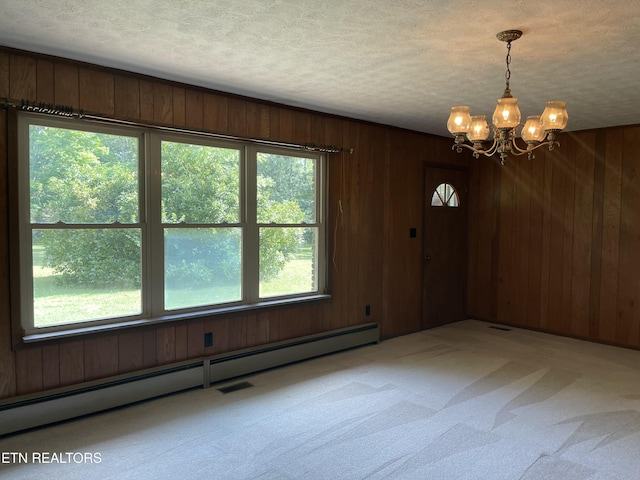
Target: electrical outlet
[
  {"x": 208, "y": 339},
  {"x": 367, "y": 310},
  {"x": 413, "y": 232}
]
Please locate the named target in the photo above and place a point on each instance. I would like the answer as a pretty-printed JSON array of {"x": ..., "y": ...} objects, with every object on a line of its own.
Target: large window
[{"x": 124, "y": 224}]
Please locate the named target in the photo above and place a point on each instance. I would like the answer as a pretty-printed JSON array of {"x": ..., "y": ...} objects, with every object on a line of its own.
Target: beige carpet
[{"x": 464, "y": 401}]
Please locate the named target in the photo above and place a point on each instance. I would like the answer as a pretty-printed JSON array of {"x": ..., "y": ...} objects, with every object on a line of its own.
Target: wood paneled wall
[
  {"x": 555, "y": 242},
  {"x": 375, "y": 198}
]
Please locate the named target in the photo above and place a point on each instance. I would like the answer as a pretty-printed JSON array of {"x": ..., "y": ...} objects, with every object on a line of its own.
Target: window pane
[
  {"x": 286, "y": 189},
  {"x": 445, "y": 195},
  {"x": 82, "y": 275},
  {"x": 200, "y": 184},
  {"x": 202, "y": 266},
  {"x": 288, "y": 261},
  {"x": 82, "y": 177}
]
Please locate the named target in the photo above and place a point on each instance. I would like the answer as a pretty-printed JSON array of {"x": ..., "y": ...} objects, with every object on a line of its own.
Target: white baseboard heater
[{"x": 29, "y": 411}]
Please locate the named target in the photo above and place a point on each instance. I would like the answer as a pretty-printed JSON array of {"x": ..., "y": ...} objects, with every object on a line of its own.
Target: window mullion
[
  {"x": 251, "y": 232},
  {"x": 153, "y": 286}
]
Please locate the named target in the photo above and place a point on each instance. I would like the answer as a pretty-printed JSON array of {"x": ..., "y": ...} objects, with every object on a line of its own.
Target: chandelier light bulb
[
  {"x": 459, "y": 121},
  {"x": 507, "y": 113},
  {"x": 479, "y": 131},
  {"x": 532, "y": 132},
  {"x": 555, "y": 116}
]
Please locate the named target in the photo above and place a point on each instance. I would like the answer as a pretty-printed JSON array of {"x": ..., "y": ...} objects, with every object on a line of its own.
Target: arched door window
[{"x": 445, "y": 196}]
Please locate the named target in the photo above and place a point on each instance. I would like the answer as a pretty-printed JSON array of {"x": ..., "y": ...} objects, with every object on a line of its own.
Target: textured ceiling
[{"x": 397, "y": 62}]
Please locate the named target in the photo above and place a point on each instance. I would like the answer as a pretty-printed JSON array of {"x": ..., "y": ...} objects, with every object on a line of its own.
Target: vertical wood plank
[
  {"x": 100, "y": 357},
  {"x": 611, "y": 236},
  {"x": 195, "y": 339},
  {"x": 4, "y": 75},
  {"x": 130, "y": 351},
  {"x": 568, "y": 239},
  {"x": 237, "y": 333},
  {"x": 548, "y": 212},
  {"x": 521, "y": 248},
  {"x": 274, "y": 123},
  {"x": 50, "y": 366},
  {"x": 371, "y": 207},
  {"x": 44, "y": 82},
  {"x": 66, "y": 85},
  {"x": 258, "y": 121},
  {"x": 535, "y": 242},
  {"x": 285, "y": 324},
  {"x": 349, "y": 263},
  {"x": 628, "y": 326},
  {"x": 149, "y": 348},
  {"x": 126, "y": 95},
  {"x": 582, "y": 230},
  {"x": 7, "y": 356},
  {"x": 22, "y": 78},
  {"x": 506, "y": 244},
  {"x": 147, "y": 107},
  {"x": 264, "y": 117},
  {"x": 285, "y": 125},
  {"x": 96, "y": 91},
  {"x": 216, "y": 113},
  {"x": 237, "y": 117},
  {"x": 317, "y": 129},
  {"x": 257, "y": 330},
  {"x": 71, "y": 363},
  {"x": 474, "y": 209},
  {"x": 194, "y": 109},
  {"x": 252, "y": 120},
  {"x": 182, "y": 342},
  {"x": 597, "y": 233},
  {"x": 166, "y": 347},
  {"x": 556, "y": 252},
  {"x": 162, "y": 104},
  {"x": 29, "y": 370},
  {"x": 271, "y": 318},
  {"x": 302, "y": 127},
  {"x": 495, "y": 241},
  {"x": 179, "y": 106}
]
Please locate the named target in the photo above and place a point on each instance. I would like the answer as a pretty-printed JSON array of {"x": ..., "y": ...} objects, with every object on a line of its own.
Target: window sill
[{"x": 114, "y": 327}]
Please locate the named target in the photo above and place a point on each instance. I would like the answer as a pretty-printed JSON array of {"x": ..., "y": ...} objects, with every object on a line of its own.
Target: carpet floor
[{"x": 463, "y": 401}]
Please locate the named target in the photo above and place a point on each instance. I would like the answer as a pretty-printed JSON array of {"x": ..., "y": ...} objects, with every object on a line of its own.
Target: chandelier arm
[
  {"x": 531, "y": 147},
  {"x": 478, "y": 151},
  {"x": 551, "y": 144},
  {"x": 488, "y": 152},
  {"x": 518, "y": 150}
]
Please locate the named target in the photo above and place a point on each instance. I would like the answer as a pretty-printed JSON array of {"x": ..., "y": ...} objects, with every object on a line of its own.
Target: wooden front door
[{"x": 444, "y": 283}]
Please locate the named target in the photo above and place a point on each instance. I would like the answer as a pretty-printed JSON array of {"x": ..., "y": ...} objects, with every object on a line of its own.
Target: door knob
[{"x": 427, "y": 258}]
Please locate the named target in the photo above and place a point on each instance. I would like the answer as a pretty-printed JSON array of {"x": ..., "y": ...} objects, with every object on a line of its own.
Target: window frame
[
  {"x": 320, "y": 218},
  {"x": 153, "y": 308}
]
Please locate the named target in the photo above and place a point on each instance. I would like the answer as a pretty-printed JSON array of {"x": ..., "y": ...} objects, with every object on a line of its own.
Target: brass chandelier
[{"x": 538, "y": 130}]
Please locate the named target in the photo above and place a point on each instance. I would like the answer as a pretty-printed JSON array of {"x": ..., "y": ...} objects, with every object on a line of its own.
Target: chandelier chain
[{"x": 507, "y": 74}]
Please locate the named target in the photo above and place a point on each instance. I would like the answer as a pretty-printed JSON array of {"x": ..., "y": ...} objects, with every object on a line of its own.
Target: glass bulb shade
[
  {"x": 459, "y": 121},
  {"x": 555, "y": 116},
  {"x": 532, "y": 130},
  {"x": 507, "y": 113},
  {"x": 479, "y": 131}
]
